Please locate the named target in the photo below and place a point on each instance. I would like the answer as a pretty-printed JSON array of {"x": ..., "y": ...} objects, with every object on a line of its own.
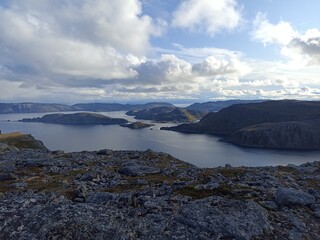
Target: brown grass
[{"x": 20, "y": 140}]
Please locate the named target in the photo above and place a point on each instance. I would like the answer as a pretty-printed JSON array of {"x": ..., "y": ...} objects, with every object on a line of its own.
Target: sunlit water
[{"x": 200, "y": 150}]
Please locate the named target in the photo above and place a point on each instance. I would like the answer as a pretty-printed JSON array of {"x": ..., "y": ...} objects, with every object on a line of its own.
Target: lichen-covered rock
[
  {"x": 225, "y": 218},
  {"x": 149, "y": 195},
  {"x": 138, "y": 170},
  {"x": 291, "y": 197}
]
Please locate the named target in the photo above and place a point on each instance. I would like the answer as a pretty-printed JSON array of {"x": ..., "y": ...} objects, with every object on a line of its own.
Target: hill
[
  {"x": 107, "y": 107},
  {"x": 77, "y": 119},
  {"x": 216, "y": 106},
  {"x": 167, "y": 114},
  {"x": 299, "y": 115},
  {"x": 94, "y": 107},
  {"x": 137, "y": 125},
  {"x": 33, "y": 107}
]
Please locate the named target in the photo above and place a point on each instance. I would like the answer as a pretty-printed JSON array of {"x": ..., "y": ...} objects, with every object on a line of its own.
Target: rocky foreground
[{"x": 147, "y": 195}]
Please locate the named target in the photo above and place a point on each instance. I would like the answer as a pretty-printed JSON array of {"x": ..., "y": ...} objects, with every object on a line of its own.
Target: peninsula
[{"x": 285, "y": 124}]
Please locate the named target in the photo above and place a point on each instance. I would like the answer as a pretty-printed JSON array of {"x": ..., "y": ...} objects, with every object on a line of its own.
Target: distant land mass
[
  {"x": 94, "y": 107},
  {"x": 216, "y": 106},
  {"x": 77, "y": 119},
  {"x": 287, "y": 124},
  {"x": 33, "y": 107},
  {"x": 167, "y": 114},
  {"x": 137, "y": 125},
  {"x": 107, "y": 107}
]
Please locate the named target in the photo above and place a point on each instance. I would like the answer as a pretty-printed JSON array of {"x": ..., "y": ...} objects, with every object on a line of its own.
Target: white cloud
[
  {"x": 207, "y": 15},
  {"x": 76, "y": 39},
  {"x": 300, "y": 48},
  {"x": 304, "y": 48},
  {"x": 167, "y": 68},
  {"x": 268, "y": 33},
  {"x": 212, "y": 66}
]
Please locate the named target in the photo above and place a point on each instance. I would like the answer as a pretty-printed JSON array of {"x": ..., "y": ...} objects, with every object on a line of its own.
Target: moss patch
[
  {"x": 191, "y": 191},
  {"x": 232, "y": 172}
]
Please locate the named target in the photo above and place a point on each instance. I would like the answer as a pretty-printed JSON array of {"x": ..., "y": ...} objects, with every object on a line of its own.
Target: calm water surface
[{"x": 200, "y": 150}]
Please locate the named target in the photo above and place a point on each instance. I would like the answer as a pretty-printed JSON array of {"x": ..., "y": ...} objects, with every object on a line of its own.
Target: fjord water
[{"x": 200, "y": 150}]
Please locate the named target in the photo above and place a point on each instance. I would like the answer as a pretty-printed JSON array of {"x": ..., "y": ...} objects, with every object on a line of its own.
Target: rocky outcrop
[
  {"x": 17, "y": 141},
  {"x": 137, "y": 125},
  {"x": 77, "y": 119},
  {"x": 147, "y": 195},
  {"x": 292, "y": 197},
  {"x": 284, "y": 135},
  {"x": 286, "y": 124}
]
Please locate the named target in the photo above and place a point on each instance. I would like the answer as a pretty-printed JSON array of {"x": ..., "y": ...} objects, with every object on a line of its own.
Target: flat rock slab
[
  {"x": 224, "y": 218},
  {"x": 134, "y": 170}
]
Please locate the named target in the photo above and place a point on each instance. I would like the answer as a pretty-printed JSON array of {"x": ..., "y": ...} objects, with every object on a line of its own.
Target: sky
[{"x": 71, "y": 51}]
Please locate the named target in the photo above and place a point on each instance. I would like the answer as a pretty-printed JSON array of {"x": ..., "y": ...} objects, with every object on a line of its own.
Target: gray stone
[
  {"x": 269, "y": 205},
  {"x": 138, "y": 170},
  {"x": 99, "y": 197},
  {"x": 207, "y": 186},
  {"x": 86, "y": 177},
  {"x": 106, "y": 152},
  {"x": 7, "y": 176},
  {"x": 3, "y": 147},
  {"x": 225, "y": 218},
  {"x": 292, "y": 197}
]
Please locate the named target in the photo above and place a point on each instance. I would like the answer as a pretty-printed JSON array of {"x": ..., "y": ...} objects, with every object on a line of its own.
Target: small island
[
  {"x": 137, "y": 125},
  {"x": 77, "y": 119}
]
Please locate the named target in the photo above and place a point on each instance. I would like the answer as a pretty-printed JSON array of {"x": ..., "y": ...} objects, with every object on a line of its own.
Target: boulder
[
  {"x": 222, "y": 218},
  {"x": 99, "y": 197},
  {"x": 138, "y": 170},
  {"x": 291, "y": 197}
]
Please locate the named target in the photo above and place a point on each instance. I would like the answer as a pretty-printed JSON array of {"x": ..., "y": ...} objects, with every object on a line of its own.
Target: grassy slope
[{"x": 21, "y": 141}]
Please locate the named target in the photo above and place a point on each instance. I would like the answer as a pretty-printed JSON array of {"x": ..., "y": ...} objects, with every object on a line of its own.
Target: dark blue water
[{"x": 200, "y": 150}]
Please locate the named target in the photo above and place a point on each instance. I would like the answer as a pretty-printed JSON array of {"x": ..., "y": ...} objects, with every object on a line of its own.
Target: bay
[{"x": 198, "y": 149}]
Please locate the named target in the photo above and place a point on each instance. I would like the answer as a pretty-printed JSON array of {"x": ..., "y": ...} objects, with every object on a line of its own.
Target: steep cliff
[{"x": 285, "y": 135}]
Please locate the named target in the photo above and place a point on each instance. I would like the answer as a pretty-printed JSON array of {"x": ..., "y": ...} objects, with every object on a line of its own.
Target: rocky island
[
  {"x": 148, "y": 195},
  {"x": 286, "y": 124},
  {"x": 167, "y": 114},
  {"x": 137, "y": 125},
  {"x": 77, "y": 119}
]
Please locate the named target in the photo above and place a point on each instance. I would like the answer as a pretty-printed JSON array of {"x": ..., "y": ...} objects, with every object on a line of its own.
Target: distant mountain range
[
  {"x": 93, "y": 107},
  {"x": 107, "y": 107},
  {"x": 33, "y": 107},
  {"x": 218, "y": 105},
  {"x": 286, "y": 124}
]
